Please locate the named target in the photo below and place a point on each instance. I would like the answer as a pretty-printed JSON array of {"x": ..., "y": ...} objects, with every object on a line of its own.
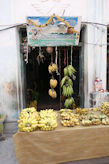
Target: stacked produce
[
  {"x": 67, "y": 85},
  {"x": 69, "y": 119},
  {"x": 53, "y": 82},
  {"x": 81, "y": 111},
  {"x": 48, "y": 119},
  {"x": 105, "y": 108},
  {"x": 91, "y": 119},
  {"x": 28, "y": 120}
]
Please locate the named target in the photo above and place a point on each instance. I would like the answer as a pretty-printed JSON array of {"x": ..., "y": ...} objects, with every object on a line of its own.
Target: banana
[
  {"x": 52, "y": 93},
  {"x": 65, "y": 71},
  {"x": 69, "y": 82},
  {"x": 53, "y": 83},
  {"x": 72, "y": 68},
  {"x": 63, "y": 80}
]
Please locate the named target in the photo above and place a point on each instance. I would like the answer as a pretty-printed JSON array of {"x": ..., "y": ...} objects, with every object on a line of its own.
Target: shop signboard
[{"x": 53, "y": 31}]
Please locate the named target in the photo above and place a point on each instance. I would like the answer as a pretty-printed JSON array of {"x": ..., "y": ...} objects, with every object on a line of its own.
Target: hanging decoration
[
  {"x": 25, "y": 49},
  {"x": 49, "y": 50},
  {"x": 65, "y": 57},
  {"x": 53, "y": 31},
  {"x": 40, "y": 57}
]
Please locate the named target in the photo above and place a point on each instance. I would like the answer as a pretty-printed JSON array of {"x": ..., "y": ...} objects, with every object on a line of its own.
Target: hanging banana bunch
[
  {"x": 53, "y": 82},
  {"x": 67, "y": 85}
]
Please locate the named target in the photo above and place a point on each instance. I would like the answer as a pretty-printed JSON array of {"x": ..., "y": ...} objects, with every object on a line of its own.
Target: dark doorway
[{"x": 37, "y": 76}]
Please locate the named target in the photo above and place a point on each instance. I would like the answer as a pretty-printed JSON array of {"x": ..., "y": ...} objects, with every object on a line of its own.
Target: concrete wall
[{"x": 9, "y": 64}]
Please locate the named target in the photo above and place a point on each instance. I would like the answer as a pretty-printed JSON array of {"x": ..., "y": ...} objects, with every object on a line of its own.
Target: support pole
[{"x": 60, "y": 75}]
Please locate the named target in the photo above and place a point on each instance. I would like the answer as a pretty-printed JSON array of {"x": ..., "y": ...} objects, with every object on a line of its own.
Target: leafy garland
[{"x": 50, "y": 20}]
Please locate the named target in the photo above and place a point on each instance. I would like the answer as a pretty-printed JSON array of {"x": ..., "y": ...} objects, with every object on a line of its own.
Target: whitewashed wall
[
  {"x": 16, "y": 11},
  {"x": 9, "y": 63}
]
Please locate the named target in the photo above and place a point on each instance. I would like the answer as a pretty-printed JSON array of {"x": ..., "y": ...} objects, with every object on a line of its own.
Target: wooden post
[{"x": 60, "y": 75}]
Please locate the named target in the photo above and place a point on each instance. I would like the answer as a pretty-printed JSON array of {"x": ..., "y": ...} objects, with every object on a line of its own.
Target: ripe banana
[
  {"x": 52, "y": 68},
  {"x": 52, "y": 93},
  {"x": 53, "y": 83}
]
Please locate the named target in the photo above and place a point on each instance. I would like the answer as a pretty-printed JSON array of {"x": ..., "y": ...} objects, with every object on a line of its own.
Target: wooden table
[{"x": 62, "y": 145}]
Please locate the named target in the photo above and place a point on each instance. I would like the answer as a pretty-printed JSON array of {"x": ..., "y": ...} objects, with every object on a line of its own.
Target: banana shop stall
[{"x": 72, "y": 133}]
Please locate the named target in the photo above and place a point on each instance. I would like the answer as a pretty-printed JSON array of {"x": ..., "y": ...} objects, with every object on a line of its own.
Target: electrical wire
[{"x": 15, "y": 25}]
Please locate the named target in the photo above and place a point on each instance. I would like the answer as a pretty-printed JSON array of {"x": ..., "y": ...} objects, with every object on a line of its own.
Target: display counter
[{"x": 61, "y": 145}]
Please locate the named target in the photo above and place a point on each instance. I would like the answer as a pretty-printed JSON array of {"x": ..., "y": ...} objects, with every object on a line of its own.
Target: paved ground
[{"x": 7, "y": 155}]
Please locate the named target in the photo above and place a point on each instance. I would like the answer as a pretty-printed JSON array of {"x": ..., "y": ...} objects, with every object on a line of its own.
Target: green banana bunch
[
  {"x": 69, "y": 82},
  {"x": 69, "y": 102},
  {"x": 63, "y": 80},
  {"x": 65, "y": 71},
  {"x": 69, "y": 70},
  {"x": 67, "y": 91}
]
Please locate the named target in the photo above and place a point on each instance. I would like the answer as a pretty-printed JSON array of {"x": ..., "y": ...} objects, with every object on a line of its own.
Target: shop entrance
[{"x": 37, "y": 77}]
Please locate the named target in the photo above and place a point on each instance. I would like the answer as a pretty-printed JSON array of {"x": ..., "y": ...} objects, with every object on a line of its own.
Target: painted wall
[
  {"x": 26, "y": 8},
  {"x": 9, "y": 64},
  {"x": 16, "y": 11}
]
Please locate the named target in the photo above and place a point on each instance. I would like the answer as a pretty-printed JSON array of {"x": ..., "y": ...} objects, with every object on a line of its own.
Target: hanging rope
[
  {"x": 71, "y": 54},
  {"x": 56, "y": 60},
  {"x": 67, "y": 58},
  {"x": 56, "y": 55}
]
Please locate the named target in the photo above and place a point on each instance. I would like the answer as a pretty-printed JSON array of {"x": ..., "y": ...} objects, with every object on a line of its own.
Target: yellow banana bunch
[
  {"x": 48, "y": 113},
  {"x": 28, "y": 119},
  {"x": 52, "y": 68},
  {"x": 28, "y": 125},
  {"x": 48, "y": 119},
  {"x": 53, "y": 83},
  {"x": 105, "y": 108},
  {"x": 65, "y": 110},
  {"x": 68, "y": 118},
  {"x": 82, "y": 111},
  {"x": 52, "y": 93},
  {"x": 47, "y": 124}
]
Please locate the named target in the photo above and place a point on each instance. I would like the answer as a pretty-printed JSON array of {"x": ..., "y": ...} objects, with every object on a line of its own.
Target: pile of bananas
[
  {"x": 53, "y": 83},
  {"x": 81, "y": 111},
  {"x": 67, "y": 85},
  {"x": 52, "y": 68},
  {"x": 104, "y": 119},
  {"x": 48, "y": 119},
  {"x": 52, "y": 93},
  {"x": 69, "y": 119},
  {"x": 105, "y": 108},
  {"x": 28, "y": 120},
  {"x": 90, "y": 119}
]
